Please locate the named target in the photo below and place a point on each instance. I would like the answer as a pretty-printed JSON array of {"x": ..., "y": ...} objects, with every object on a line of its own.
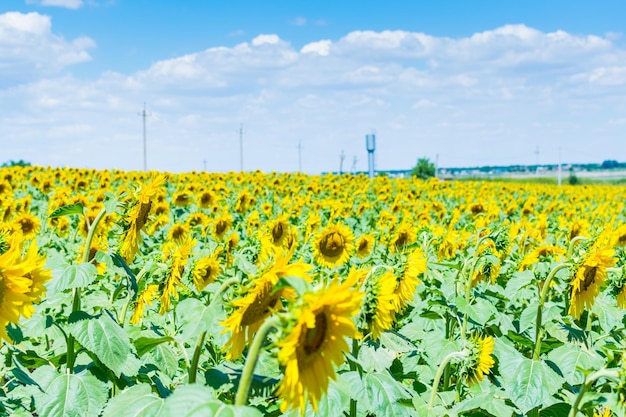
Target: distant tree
[
  {"x": 610, "y": 164},
  {"x": 573, "y": 179},
  {"x": 12, "y": 163},
  {"x": 424, "y": 169}
]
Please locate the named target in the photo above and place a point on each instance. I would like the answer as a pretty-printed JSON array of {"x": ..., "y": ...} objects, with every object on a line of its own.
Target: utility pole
[
  {"x": 204, "y": 165},
  {"x": 342, "y": 156},
  {"x": 354, "y": 161},
  {"x": 144, "y": 115},
  {"x": 537, "y": 161},
  {"x": 559, "y": 165},
  {"x": 300, "y": 156},
  {"x": 437, "y": 165},
  {"x": 241, "y": 147}
]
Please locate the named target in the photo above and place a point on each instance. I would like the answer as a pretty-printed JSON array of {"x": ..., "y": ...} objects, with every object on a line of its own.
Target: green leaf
[
  {"x": 572, "y": 359},
  {"x": 376, "y": 360},
  {"x": 68, "y": 276},
  {"x": 136, "y": 401},
  {"x": 556, "y": 410},
  {"x": 199, "y": 401},
  {"x": 533, "y": 385},
  {"x": 131, "y": 279},
  {"x": 68, "y": 394},
  {"x": 384, "y": 394},
  {"x": 195, "y": 317},
  {"x": 146, "y": 344},
  {"x": 111, "y": 202},
  {"x": 491, "y": 400},
  {"x": 107, "y": 340},
  {"x": 76, "y": 208},
  {"x": 397, "y": 342}
]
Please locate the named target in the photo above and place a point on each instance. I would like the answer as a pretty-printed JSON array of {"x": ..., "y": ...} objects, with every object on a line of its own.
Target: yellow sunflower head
[
  {"x": 379, "y": 305},
  {"x": 333, "y": 245},
  {"x": 589, "y": 277},
  {"x": 408, "y": 282},
  {"x": 278, "y": 230},
  {"x": 481, "y": 360},
  {"x": 27, "y": 224},
  {"x": 205, "y": 271},
  {"x": 316, "y": 342},
  {"x": 364, "y": 245}
]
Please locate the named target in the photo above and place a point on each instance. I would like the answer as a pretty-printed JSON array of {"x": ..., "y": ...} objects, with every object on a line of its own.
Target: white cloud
[
  {"x": 29, "y": 49},
  {"x": 489, "y": 98},
  {"x": 299, "y": 21},
  {"x": 69, "y": 4}
]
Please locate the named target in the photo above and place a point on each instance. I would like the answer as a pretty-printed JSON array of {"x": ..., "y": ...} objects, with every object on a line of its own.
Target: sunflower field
[{"x": 251, "y": 294}]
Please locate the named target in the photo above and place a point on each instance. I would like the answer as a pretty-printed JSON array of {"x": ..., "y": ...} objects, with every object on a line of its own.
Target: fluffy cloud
[
  {"x": 489, "y": 98},
  {"x": 29, "y": 49}
]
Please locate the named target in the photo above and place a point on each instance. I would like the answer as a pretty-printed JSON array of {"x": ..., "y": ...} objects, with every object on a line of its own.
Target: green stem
[
  {"x": 253, "y": 354},
  {"x": 225, "y": 285},
  {"x": 468, "y": 295},
  {"x": 570, "y": 249},
  {"x": 602, "y": 373},
  {"x": 196, "y": 358},
  {"x": 542, "y": 299},
  {"x": 71, "y": 355},
  {"x": 355, "y": 353},
  {"x": 454, "y": 355},
  {"x": 122, "y": 316}
]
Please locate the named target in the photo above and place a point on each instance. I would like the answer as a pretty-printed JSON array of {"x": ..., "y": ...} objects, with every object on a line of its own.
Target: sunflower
[
  {"x": 332, "y": 246},
  {"x": 278, "y": 230},
  {"x": 221, "y": 225},
  {"x": 182, "y": 199},
  {"x": 540, "y": 253},
  {"x": 481, "y": 360},
  {"x": 205, "y": 271},
  {"x": 407, "y": 284},
  {"x": 316, "y": 343},
  {"x": 588, "y": 278},
  {"x": 364, "y": 245},
  {"x": 252, "y": 309},
  {"x": 603, "y": 412},
  {"x": 137, "y": 217},
  {"x": 178, "y": 252},
  {"x": 206, "y": 199},
  {"x": 27, "y": 225},
  {"x": 147, "y": 297},
  {"x": 405, "y": 235},
  {"x": 487, "y": 263},
  {"x": 178, "y": 231},
  {"x": 378, "y": 312},
  {"x": 22, "y": 283}
]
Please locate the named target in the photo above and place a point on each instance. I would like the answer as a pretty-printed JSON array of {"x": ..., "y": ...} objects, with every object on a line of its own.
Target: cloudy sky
[{"x": 466, "y": 82}]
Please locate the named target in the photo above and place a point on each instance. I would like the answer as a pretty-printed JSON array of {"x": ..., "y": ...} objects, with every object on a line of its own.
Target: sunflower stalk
[
  {"x": 460, "y": 355},
  {"x": 591, "y": 378},
  {"x": 539, "y": 320},
  {"x": 196, "y": 358},
  {"x": 241, "y": 398},
  {"x": 71, "y": 355},
  {"x": 572, "y": 244}
]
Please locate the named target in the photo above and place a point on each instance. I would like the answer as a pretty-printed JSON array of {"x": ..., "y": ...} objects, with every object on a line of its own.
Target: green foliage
[
  {"x": 572, "y": 179},
  {"x": 12, "y": 163},
  {"x": 424, "y": 169}
]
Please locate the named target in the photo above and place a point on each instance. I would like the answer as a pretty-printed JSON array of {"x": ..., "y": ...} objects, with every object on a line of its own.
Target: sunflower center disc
[
  {"x": 332, "y": 245},
  {"x": 314, "y": 338},
  {"x": 589, "y": 278}
]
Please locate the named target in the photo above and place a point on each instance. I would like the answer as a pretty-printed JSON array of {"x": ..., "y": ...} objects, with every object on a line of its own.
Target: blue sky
[{"x": 472, "y": 82}]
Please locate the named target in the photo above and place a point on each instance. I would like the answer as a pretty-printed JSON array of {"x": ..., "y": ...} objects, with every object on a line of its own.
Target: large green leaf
[
  {"x": 375, "y": 360},
  {"x": 572, "y": 360},
  {"x": 533, "y": 385},
  {"x": 76, "y": 208},
  {"x": 68, "y": 395},
  {"x": 107, "y": 340},
  {"x": 66, "y": 275},
  {"x": 194, "y": 317},
  {"x": 384, "y": 394},
  {"x": 136, "y": 401},
  {"x": 199, "y": 401},
  {"x": 491, "y": 400},
  {"x": 146, "y": 344}
]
